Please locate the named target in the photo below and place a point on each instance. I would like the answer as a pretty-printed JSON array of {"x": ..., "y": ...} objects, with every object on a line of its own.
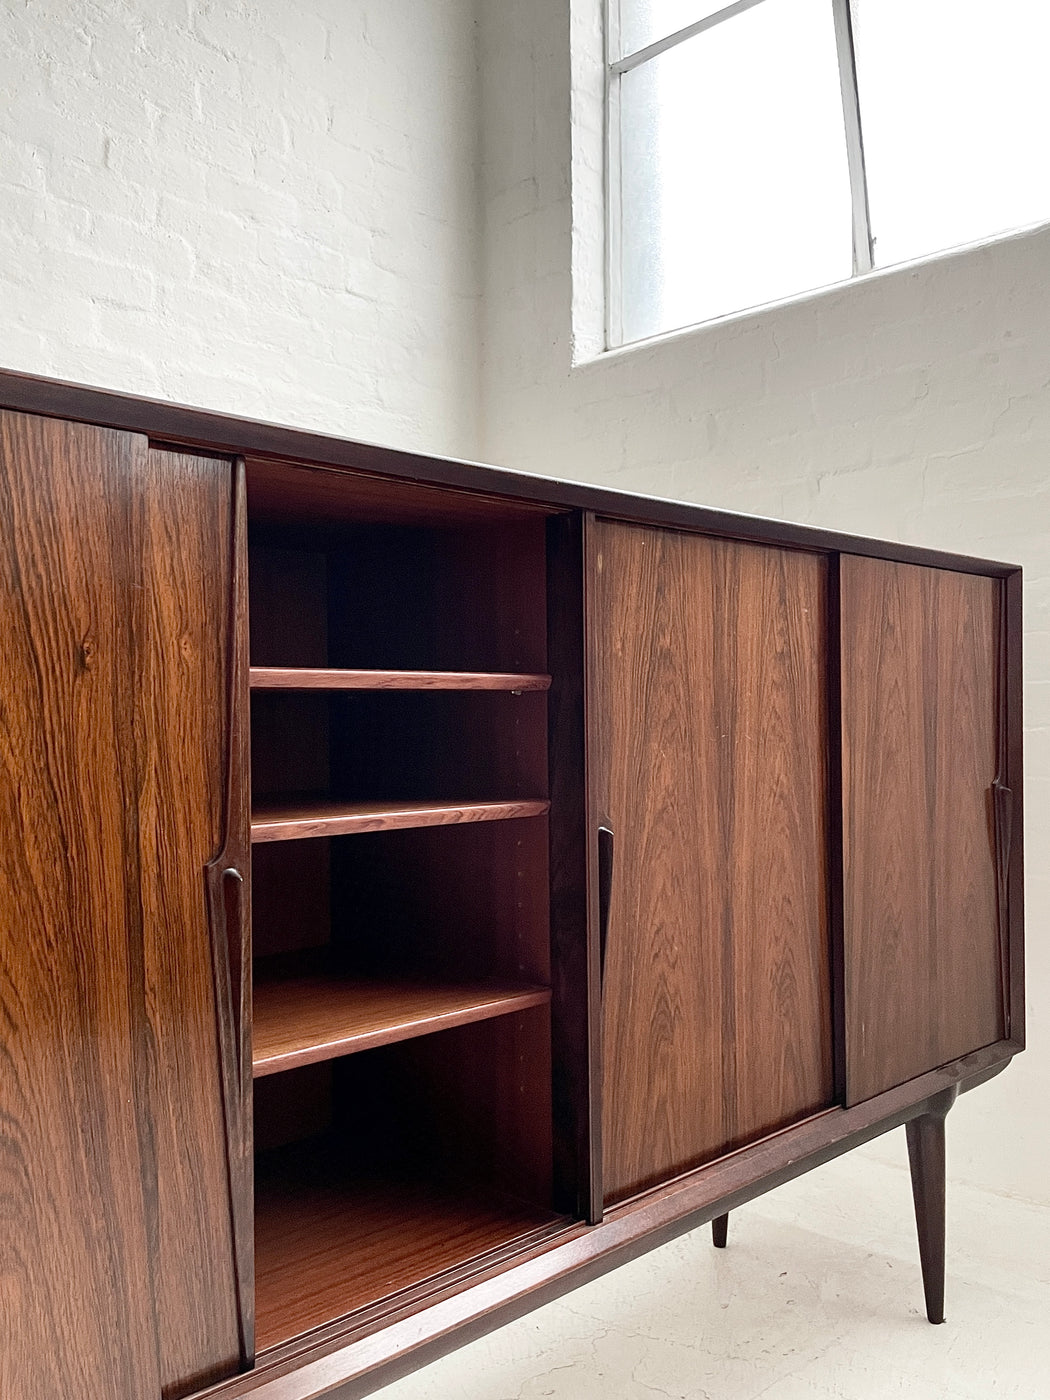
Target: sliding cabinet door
[
  {"x": 117, "y": 1273},
  {"x": 708, "y": 694},
  {"x": 920, "y": 755}
]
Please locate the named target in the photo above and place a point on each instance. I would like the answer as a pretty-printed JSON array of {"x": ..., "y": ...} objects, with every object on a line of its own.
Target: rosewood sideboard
[{"x": 424, "y": 887}]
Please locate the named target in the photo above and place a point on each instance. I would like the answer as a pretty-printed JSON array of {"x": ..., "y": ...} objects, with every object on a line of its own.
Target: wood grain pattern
[
  {"x": 327, "y": 1243},
  {"x": 228, "y": 883},
  {"x": 920, "y": 664},
  {"x": 708, "y": 684},
  {"x": 193, "y": 813},
  {"x": 299, "y": 493},
  {"x": 303, "y": 678},
  {"x": 306, "y": 817},
  {"x": 112, "y": 1152},
  {"x": 71, "y": 1157},
  {"x": 302, "y": 1019}
]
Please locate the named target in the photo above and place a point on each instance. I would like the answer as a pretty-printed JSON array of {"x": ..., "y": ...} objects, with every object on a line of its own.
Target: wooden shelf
[
  {"x": 322, "y": 678},
  {"x": 296, "y": 818},
  {"x": 327, "y": 1243},
  {"x": 306, "y": 1018}
]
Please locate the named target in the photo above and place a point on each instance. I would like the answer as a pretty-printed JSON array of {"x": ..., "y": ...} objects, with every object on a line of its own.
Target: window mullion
[
  {"x": 613, "y": 190},
  {"x": 863, "y": 243},
  {"x": 654, "y": 50},
  {"x": 614, "y": 215}
]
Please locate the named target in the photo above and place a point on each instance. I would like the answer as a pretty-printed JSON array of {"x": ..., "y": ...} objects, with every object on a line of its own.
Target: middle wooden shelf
[
  {"x": 300, "y": 816},
  {"x": 304, "y": 1012}
]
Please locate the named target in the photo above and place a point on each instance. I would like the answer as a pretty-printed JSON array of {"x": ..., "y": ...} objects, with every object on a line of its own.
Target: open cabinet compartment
[
  {"x": 364, "y": 939},
  {"x": 379, "y": 1171},
  {"x": 351, "y": 572},
  {"x": 345, "y": 748},
  {"x": 402, "y": 1045}
]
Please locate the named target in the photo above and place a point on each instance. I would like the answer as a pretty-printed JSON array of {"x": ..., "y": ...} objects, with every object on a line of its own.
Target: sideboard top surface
[{"x": 225, "y": 433}]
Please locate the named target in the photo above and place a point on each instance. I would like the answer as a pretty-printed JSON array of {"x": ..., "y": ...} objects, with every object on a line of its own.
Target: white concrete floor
[{"x": 818, "y": 1297}]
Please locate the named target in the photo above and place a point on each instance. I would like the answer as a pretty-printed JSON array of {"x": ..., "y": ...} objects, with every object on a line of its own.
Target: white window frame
[{"x": 616, "y": 67}]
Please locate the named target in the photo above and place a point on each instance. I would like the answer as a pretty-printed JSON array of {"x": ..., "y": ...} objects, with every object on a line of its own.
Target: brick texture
[{"x": 249, "y": 205}]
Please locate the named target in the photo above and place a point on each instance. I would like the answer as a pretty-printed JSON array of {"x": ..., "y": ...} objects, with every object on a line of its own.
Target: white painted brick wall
[
  {"x": 261, "y": 207},
  {"x": 915, "y": 406}
]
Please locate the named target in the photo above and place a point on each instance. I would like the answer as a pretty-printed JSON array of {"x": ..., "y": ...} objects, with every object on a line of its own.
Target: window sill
[{"x": 814, "y": 294}]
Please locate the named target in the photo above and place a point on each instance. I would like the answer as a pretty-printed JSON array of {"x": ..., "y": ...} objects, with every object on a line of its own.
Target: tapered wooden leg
[
  {"x": 926, "y": 1157},
  {"x": 720, "y": 1230}
]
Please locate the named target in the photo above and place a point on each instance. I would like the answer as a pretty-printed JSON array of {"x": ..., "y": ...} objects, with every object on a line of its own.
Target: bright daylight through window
[{"x": 769, "y": 147}]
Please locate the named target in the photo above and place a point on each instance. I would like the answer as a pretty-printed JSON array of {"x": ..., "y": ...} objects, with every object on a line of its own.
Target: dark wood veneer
[
  {"x": 291, "y": 493},
  {"x": 319, "y": 678},
  {"x": 926, "y": 1159},
  {"x": 115, "y": 562},
  {"x": 296, "y": 819},
  {"x": 920, "y": 660},
  {"x": 329, "y": 1243},
  {"x": 228, "y": 885},
  {"x": 776, "y": 767},
  {"x": 303, "y": 1017},
  {"x": 708, "y": 672}
]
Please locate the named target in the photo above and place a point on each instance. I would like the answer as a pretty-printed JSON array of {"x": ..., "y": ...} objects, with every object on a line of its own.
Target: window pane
[
  {"x": 644, "y": 21},
  {"x": 734, "y": 181},
  {"x": 955, "y": 108}
]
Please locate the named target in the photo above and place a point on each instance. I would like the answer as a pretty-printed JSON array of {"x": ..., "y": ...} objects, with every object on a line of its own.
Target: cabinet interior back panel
[
  {"x": 920, "y": 664},
  {"x": 708, "y": 681}
]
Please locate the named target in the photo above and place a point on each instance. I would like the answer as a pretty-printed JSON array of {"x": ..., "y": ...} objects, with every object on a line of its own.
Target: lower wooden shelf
[
  {"x": 328, "y": 678},
  {"x": 325, "y": 1247},
  {"x": 313, "y": 1016}
]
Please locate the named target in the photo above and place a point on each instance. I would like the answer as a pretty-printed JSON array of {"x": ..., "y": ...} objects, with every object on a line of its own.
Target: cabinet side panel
[
  {"x": 920, "y": 661},
  {"x": 75, "y": 1145},
  {"x": 708, "y": 666},
  {"x": 181, "y": 694}
]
